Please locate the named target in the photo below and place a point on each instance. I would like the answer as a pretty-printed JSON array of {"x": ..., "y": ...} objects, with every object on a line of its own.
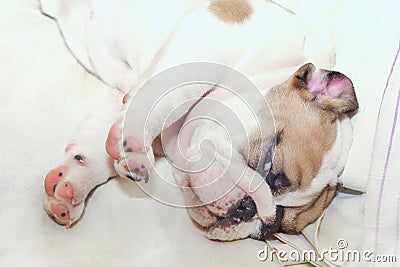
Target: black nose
[{"x": 243, "y": 211}]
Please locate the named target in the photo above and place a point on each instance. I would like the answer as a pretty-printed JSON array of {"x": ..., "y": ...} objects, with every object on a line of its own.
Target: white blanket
[
  {"x": 382, "y": 210},
  {"x": 45, "y": 93}
]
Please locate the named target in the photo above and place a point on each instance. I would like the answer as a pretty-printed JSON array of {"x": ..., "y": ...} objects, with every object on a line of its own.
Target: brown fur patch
[
  {"x": 307, "y": 134},
  {"x": 231, "y": 11},
  {"x": 295, "y": 219}
]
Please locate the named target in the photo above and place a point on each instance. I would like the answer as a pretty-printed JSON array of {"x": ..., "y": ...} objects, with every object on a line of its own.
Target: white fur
[{"x": 126, "y": 42}]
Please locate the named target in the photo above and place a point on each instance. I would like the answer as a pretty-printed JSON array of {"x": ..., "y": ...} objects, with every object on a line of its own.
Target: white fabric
[
  {"x": 363, "y": 49},
  {"x": 382, "y": 210}
]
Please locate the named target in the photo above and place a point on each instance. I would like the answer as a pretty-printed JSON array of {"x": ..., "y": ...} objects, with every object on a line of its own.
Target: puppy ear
[{"x": 330, "y": 90}]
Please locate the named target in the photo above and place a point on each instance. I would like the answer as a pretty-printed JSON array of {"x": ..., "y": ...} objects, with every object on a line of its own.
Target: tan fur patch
[
  {"x": 231, "y": 11},
  {"x": 306, "y": 131},
  {"x": 295, "y": 219},
  {"x": 307, "y": 134}
]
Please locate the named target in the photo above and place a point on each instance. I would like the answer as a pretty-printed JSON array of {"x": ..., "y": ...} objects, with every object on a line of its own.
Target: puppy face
[{"x": 303, "y": 157}]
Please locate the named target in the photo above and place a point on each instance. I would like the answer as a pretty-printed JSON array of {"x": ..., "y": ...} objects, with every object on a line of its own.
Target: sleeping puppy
[
  {"x": 271, "y": 167},
  {"x": 125, "y": 42},
  {"x": 142, "y": 41}
]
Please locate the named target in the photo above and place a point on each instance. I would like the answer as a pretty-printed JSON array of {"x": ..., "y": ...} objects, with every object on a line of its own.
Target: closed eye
[{"x": 266, "y": 162}]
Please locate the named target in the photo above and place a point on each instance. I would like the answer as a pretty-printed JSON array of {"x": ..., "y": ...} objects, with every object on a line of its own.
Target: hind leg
[{"x": 86, "y": 164}]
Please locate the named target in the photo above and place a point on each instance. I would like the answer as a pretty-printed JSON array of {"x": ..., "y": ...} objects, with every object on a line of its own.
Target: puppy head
[{"x": 301, "y": 159}]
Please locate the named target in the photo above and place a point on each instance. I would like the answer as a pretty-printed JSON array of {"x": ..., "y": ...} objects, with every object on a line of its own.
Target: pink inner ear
[
  {"x": 337, "y": 85},
  {"x": 319, "y": 84}
]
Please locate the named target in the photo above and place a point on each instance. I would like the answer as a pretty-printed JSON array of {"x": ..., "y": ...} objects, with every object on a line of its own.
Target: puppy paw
[
  {"x": 56, "y": 185},
  {"x": 64, "y": 204},
  {"x": 68, "y": 185},
  {"x": 132, "y": 160},
  {"x": 62, "y": 212}
]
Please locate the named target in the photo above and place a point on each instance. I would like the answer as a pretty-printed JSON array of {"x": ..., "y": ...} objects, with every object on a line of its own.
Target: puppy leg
[
  {"x": 254, "y": 186},
  {"x": 147, "y": 113},
  {"x": 86, "y": 164}
]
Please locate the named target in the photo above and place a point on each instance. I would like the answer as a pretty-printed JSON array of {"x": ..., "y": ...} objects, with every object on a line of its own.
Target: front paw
[
  {"x": 134, "y": 166},
  {"x": 132, "y": 160}
]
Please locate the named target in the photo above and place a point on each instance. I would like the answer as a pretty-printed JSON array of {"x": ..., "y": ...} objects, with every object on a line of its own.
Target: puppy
[
  {"x": 125, "y": 43},
  {"x": 238, "y": 34},
  {"x": 273, "y": 169}
]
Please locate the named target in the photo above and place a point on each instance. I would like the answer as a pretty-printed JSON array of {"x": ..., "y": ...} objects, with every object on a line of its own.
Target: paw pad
[
  {"x": 53, "y": 178},
  {"x": 132, "y": 145}
]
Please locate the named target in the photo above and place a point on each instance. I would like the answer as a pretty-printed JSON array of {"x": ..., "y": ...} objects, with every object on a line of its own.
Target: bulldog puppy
[
  {"x": 125, "y": 43},
  {"x": 279, "y": 179}
]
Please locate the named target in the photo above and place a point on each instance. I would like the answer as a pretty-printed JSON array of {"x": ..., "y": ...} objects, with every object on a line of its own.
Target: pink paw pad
[
  {"x": 52, "y": 179},
  {"x": 135, "y": 167},
  {"x": 65, "y": 190},
  {"x": 112, "y": 142},
  {"x": 60, "y": 211},
  {"x": 139, "y": 166},
  {"x": 132, "y": 145},
  {"x": 140, "y": 163},
  {"x": 125, "y": 99}
]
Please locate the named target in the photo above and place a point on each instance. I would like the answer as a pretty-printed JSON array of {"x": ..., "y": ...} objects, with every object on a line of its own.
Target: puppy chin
[{"x": 242, "y": 221}]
